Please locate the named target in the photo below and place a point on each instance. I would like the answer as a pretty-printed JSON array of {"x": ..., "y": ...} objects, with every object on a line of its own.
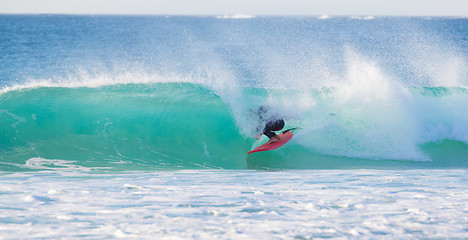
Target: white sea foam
[
  {"x": 14, "y": 116},
  {"x": 236, "y": 204},
  {"x": 54, "y": 164}
]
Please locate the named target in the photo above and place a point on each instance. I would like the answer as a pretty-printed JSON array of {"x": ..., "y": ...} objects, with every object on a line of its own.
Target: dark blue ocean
[{"x": 139, "y": 127}]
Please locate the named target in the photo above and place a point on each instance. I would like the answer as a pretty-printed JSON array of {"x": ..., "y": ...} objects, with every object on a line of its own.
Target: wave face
[
  {"x": 174, "y": 125},
  {"x": 132, "y": 93}
]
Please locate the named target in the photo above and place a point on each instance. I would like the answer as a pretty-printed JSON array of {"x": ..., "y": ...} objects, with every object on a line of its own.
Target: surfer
[{"x": 272, "y": 125}]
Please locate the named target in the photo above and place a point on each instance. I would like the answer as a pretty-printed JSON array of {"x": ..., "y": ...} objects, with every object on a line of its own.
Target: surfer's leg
[
  {"x": 273, "y": 138},
  {"x": 269, "y": 133}
]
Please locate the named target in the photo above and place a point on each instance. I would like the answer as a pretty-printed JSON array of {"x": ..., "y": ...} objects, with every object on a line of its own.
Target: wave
[
  {"x": 235, "y": 16},
  {"x": 148, "y": 124},
  {"x": 171, "y": 125}
]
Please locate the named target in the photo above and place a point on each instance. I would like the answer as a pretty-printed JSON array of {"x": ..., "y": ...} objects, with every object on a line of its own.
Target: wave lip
[{"x": 87, "y": 80}]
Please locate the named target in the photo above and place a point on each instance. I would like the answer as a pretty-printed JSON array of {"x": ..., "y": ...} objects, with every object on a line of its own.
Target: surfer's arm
[
  {"x": 258, "y": 136},
  {"x": 273, "y": 139}
]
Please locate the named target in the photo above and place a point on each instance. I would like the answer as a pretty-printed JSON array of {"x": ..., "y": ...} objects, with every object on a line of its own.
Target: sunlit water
[{"x": 138, "y": 127}]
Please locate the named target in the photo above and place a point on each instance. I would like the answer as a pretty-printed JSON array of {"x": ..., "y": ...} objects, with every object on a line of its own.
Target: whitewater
[{"x": 139, "y": 127}]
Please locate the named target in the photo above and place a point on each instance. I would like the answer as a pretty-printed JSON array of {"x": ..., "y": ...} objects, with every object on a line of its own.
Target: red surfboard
[{"x": 284, "y": 138}]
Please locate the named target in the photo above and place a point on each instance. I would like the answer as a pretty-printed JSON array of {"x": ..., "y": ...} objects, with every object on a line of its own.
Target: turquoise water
[
  {"x": 139, "y": 127},
  {"x": 187, "y": 126}
]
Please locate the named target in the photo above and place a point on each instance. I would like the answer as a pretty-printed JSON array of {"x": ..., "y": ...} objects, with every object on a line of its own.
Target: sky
[{"x": 251, "y": 7}]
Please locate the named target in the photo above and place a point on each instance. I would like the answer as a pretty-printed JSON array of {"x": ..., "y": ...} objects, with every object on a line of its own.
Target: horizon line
[{"x": 238, "y": 14}]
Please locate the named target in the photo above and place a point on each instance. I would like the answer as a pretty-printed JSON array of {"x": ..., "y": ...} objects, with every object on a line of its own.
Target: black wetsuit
[
  {"x": 271, "y": 126},
  {"x": 274, "y": 124}
]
